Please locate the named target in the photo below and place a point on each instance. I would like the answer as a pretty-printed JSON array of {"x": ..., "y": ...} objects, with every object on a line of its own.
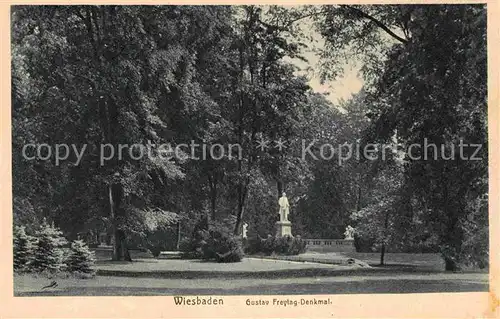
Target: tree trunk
[
  {"x": 114, "y": 232},
  {"x": 178, "y": 235},
  {"x": 382, "y": 250},
  {"x": 358, "y": 197},
  {"x": 450, "y": 264},
  {"x": 279, "y": 185},
  {"x": 125, "y": 253},
  {"x": 241, "y": 208},
  {"x": 212, "y": 182},
  {"x": 382, "y": 254},
  {"x": 454, "y": 241},
  {"x": 120, "y": 249}
]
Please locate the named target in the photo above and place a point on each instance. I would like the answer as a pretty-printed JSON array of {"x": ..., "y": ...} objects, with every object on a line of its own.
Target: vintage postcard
[{"x": 250, "y": 159}]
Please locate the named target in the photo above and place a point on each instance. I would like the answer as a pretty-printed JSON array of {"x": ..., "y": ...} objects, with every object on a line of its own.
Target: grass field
[
  {"x": 429, "y": 261},
  {"x": 258, "y": 276},
  {"x": 26, "y": 285}
]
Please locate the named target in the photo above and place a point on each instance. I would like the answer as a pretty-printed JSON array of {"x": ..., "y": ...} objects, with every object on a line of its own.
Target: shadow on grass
[
  {"x": 348, "y": 287},
  {"x": 411, "y": 268},
  {"x": 285, "y": 273},
  {"x": 124, "y": 262}
]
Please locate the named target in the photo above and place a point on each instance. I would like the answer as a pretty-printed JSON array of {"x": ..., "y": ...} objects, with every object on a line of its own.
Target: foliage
[
  {"x": 253, "y": 244},
  {"x": 23, "y": 249},
  {"x": 192, "y": 247},
  {"x": 80, "y": 259},
  {"x": 161, "y": 240},
  {"x": 100, "y": 75},
  {"x": 213, "y": 242},
  {"x": 48, "y": 253},
  {"x": 428, "y": 83},
  {"x": 187, "y": 249},
  {"x": 222, "y": 247},
  {"x": 129, "y": 63},
  {"x": 149, "y": 228},
  {"x": 109, "y": 75},
  {"x": 279, "y": 245},
  {"x": 475, "y": 248}
]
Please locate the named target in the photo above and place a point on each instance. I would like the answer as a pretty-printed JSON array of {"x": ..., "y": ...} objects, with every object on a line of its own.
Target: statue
[
  {"x": 349, "y": 232},
  {"x": 284, "y": 208},
  {"x": 244, "y": 231}
]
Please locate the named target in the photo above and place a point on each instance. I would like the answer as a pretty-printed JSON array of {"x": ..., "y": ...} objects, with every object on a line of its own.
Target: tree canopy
[{"x": 95, "y": 77}]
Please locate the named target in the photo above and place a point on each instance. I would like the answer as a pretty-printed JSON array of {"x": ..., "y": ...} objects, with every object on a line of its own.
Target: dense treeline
[{"x": 110, "y": 75}]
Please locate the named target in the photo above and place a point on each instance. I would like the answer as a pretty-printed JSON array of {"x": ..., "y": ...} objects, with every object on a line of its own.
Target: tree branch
[
  {"x": 377, "y": 22},
  {"x": 312, "y": 14}
]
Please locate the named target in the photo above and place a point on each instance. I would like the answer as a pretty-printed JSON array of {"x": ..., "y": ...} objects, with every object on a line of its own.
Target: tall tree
[{"x": 432, "y": 87}]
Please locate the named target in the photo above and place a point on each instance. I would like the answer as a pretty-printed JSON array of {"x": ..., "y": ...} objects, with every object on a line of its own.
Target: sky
[
  {"x": 348, "y": 83},
  {"x": 344, "y": 87}
]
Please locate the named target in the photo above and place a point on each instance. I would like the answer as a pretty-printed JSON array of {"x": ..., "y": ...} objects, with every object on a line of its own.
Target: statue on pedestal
[
  {"x": 349, "y": 232},
  {"x": 284, "y": 208},
  {"x": 284, "y": 226}
]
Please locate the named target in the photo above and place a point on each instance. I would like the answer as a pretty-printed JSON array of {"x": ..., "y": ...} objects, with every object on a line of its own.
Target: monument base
[{"x": 283, "y": 228}]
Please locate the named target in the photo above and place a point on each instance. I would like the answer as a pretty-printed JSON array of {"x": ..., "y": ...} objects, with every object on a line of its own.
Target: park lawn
[
  {"x": 400, "y": 262},
  {"x": 427, "y": 260},
  {"x": 197, "y": 269},
  {"x": 246, "y": 265},
  {"x": 256, "y": 276},
  {"x": 29, "y": 285}
]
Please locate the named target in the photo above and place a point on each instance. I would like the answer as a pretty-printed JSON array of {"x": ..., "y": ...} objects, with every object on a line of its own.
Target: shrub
[
  {"x": 222, "y": 247},
  {"x": 286, "y": 245},
  {"x": 253, "y": 244},
  {"x": 81, "y": 259},
  {"x": 48, "y": 254},
  {"x": 268, "y": 245},
  {"x": 185, "y": 246},
  {"x": 451, "y": 257},
  {"x": 192, "y": 248},
  {"x": 23, "y": 249},
  {"x": 475, "y": 250},
  {"x": 160, "y": 240},
  {"x": 298, "y": 246},
  {"x": 212, "y": 242}
]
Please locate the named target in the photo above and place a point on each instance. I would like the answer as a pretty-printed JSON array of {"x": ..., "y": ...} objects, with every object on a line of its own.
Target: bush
[
  {"x": 215, "y": 242},
  {"x": 192, "y": 248},
  {"x": 160, "y": 240},
  {"x": 364, "y": 244},
  {"x": 298, "y": 246},
  {"x": 23, "y": 249},
  {"x": 286, "y": 245},
  {"x": 222, "y": 247},
  {"x": 475, "y": 250},
  {"x": 451, "y": 257},
  {"x": 48, "y": 254},
  {"x": 253, "y": 244},
  {"x": 268, "y": 245},
  {"x": 81, "y": 259}
]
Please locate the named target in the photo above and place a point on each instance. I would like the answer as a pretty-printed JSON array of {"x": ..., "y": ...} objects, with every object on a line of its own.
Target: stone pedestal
[{"x": 283, "y": 228}]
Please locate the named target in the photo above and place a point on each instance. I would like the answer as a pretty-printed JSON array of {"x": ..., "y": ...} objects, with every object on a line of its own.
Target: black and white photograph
[{"x": 204, "y": 151}]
